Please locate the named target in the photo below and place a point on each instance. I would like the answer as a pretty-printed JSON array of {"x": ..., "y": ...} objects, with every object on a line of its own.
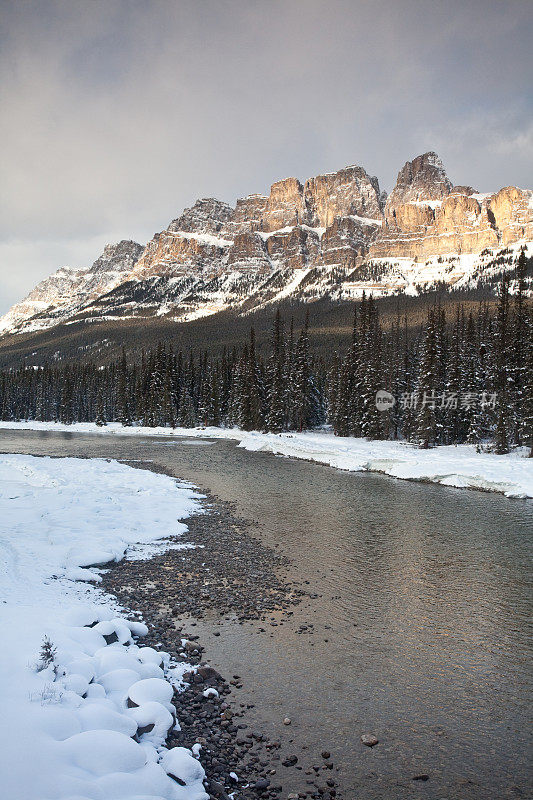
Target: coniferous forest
[{"x": 463, "y": 379}]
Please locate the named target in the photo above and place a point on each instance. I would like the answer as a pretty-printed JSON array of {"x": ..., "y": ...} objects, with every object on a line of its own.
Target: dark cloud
[{"x": 117, "y": 114}]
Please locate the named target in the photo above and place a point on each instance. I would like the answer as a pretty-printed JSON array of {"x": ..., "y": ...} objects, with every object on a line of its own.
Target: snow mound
[
  {"x": 153, "y": 721},
  {"x": 97, "y": 716},
  {"x": 103, "y": 751},
  {"x": 68, "y": 702},
  {"x": 151, "y": 690},
  {"x": 186, "y": 771}
]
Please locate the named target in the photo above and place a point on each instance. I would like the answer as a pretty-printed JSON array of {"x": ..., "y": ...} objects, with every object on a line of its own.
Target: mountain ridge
[{"x": 335, "y": 235}]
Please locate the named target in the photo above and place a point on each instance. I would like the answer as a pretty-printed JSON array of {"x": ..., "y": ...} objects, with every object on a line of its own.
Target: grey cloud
[{"x": 118, "y": 114}]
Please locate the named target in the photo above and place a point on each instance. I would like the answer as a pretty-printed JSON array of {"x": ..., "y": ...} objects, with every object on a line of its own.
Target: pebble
[
  {"x": 290, "y": 761},
  {"x": 369, "y": 739},
  {"x": 287, "y": 721}
]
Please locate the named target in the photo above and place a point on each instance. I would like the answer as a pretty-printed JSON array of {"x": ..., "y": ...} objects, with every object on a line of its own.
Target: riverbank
[
  {"x": 86, "y": 706},
  {"x": 93, "y": 706},
  {"x": 420, "y": 612},
  {"x": 458, "y": 466}
]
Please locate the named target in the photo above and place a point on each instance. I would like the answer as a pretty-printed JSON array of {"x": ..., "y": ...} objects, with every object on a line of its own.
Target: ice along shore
[{"x": 459, "y": 466}]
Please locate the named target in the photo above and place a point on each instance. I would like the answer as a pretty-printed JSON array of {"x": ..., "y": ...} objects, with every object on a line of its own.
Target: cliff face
[
  {"x": 349, "y": 192},
  {"x": 338, "y": 219},
  {"x": 423, "y": 178},
  {"x": 426, "y": 216},
  {"x": 282, "y": 230},
  {"x": 336, "y": 227}
]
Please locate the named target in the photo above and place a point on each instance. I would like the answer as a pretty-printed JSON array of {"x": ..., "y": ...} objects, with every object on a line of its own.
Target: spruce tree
[
  {"x": 519, "y": 347},
  {"x": 187, "y": 415},
  {"x": 254, "y": 388},
  {"x": 371, "y": 420},
  {"x": 527, "y": 397},
  {"x": 501, "y": 375},
  {"x": 100, "y": 418},
  {"x": 275, "y": 421},
  {"x": 123, "y": 406},
  {"x": 426, "y": 421}
]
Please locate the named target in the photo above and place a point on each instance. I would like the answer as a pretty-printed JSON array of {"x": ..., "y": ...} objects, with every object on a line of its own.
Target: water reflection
[{"x": 424, "y": 600}]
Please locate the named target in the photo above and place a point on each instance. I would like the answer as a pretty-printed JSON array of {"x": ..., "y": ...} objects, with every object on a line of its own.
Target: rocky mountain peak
[
  {"x": 285, "y": 205},
  {"x": 334, "y": 235},
  {"x": 119, "y": 257},
  {"x": 207, "y": 215},
  {"x": 423, "y": 178},
  {"x": 348, "y": 192}
]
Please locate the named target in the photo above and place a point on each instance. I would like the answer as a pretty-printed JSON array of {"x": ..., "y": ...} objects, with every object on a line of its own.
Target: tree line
[{"x": 466, "y": 379}]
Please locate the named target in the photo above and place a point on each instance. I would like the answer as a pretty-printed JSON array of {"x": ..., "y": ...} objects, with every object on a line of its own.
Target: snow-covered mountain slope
[
  {"x": 335, "y": 236},
  {"x": 66, "y": 291}
]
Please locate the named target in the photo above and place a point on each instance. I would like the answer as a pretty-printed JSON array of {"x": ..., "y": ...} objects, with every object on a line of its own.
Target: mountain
[
  {"x": 334, "y": 236},
  {"x": 61, "y": 295}
]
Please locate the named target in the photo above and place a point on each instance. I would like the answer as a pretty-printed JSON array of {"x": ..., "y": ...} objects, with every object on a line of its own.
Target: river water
[{"x": 419, "y": 624}]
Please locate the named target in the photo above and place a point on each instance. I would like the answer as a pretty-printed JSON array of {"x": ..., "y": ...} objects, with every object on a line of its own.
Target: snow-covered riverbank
[
  {"x": 460, "y": 466},
  {"x": 68, "y": 719}
]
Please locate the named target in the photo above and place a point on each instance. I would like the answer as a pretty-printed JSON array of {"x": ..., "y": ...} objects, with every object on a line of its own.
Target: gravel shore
[{"x": 227, "y": 574}]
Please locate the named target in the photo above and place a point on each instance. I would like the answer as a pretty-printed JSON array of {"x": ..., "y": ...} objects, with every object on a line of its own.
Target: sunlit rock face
[
  {"x": 347, "y": 239},
  {"x": 285, "y": 206},
  {"x": 192, "y": 243},
  {"x": 426, "y": 216},
  {"x": 350, "y": 191},
  {"x": 334, "y": 235},
  {"x": 174, "y": 253},
  {"x": 249, "y": 213},
  {"x": 281, "y": 230},
  {"x": 248, "y": 254},
  {"x": 512, "y": 210},
  {"x": 423, "y": 178}
]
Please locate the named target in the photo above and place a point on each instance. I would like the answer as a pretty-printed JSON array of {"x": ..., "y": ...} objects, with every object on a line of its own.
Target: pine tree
[
  {"x": 527, "y": 397},
  {"x": 371, "y": 421},
  {"x": 100, "y": 418},
  {"x": 396, "y": 380},
  {"x": 276, "y": 378},
  {"x": 65, "y": 414},
  {"x": 519, "y": 347},
  {"x": 345, "y": 403},
  {"x": 254, "y": 388},
  {"x": 501, "y": 375},
  {"x": 213, "y": 402},
  {"x": 408, "y": 382},
  {"x": 426, "y": 422},
  {"x": 40, "y": 409},
  {"x": 302, "y": 387},
  {"x": 187, "y": 415},
  {"x": 123, "y": 407}
]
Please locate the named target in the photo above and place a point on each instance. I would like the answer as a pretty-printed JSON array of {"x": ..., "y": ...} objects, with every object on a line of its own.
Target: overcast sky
[{"x": 115, "y": 115}]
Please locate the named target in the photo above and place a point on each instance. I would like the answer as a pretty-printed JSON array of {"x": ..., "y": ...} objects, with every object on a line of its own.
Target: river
[{"x": 419, "y": 624}]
